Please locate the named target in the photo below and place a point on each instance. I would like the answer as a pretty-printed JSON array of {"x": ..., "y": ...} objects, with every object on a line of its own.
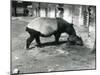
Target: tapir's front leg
[
  {"x": 37, "y": 38},
  {"x": 57, "y": 36}
]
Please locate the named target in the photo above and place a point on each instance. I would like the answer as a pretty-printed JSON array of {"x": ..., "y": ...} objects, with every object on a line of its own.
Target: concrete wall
[{"x": 72, "y": 13}]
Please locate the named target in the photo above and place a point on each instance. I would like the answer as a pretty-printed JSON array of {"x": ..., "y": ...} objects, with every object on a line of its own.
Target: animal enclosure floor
[{"x": 50, "y": 57}]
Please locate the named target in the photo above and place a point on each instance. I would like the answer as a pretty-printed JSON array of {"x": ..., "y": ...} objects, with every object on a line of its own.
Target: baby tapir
[{"x": 46, "y": 27}]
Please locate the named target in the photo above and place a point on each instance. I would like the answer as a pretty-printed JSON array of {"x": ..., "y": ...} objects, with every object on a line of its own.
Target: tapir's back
[{"x": 44, "y": 25}]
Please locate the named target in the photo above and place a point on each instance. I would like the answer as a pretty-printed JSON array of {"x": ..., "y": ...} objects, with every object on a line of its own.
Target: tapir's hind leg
[
  {"x": 28, "y": 42},
  {"x": 31, "y": 38}
]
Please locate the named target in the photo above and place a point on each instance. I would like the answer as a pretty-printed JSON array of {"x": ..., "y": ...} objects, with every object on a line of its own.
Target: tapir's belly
[{"x": 45, "y": 26}]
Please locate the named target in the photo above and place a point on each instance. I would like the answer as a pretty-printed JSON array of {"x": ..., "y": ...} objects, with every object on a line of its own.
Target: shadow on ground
[{"x": 53, "y": 43}]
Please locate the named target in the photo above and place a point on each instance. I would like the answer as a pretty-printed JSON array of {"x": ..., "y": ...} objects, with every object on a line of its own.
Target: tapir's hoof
[
  {"x": 27, "y": 48},
  {"x": 56, "y": 42}
]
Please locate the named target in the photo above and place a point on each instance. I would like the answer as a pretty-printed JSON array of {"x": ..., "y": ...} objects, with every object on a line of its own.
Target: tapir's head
[
  {"x": 75, "y": 40},
  {"x": 79, "y": 41}
]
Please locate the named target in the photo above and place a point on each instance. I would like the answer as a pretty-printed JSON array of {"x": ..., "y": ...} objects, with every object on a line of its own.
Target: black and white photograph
[{"x": 52, "y": 37}]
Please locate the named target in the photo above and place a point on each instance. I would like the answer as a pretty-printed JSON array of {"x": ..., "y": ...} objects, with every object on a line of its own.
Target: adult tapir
[{"x": 46, "y": 27}]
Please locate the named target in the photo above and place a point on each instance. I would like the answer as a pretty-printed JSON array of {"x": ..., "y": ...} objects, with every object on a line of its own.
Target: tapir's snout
[
  {"x": 79, "y": 41},
  {"x": 80, "y": 44},
  {"x": 75, "y": 40}
]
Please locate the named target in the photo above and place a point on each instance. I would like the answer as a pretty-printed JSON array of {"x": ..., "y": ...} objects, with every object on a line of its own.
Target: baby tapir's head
[{"x": 75, "y": 40}]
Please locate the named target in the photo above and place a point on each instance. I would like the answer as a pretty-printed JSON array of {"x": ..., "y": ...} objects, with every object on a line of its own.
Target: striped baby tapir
[{"x": 45, "y": 27}]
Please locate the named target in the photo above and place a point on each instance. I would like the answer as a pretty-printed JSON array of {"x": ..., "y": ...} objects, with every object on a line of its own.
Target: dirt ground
[{"x": 49, "y": 57}]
